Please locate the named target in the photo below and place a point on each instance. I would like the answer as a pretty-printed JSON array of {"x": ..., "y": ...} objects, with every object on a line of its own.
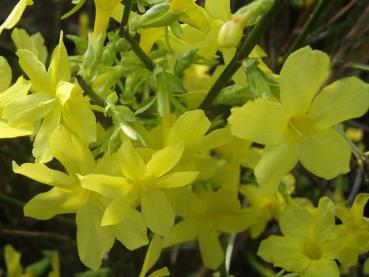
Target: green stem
[
  {"x": 127, "y": 11},
  {"x": 258, "y": 267},
  {"x": 307, "y": 27},
  {"x": 138, "y": 50},
  {"x": 355, "y": 150},
  {"x": 10, "y": 200},
  {"x": 90, "y": 92},
  {"x": 243, "y": 53},
  {"x": 124, "y": 32}
]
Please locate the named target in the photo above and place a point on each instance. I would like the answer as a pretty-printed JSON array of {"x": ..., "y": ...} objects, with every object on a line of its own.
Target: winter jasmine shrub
[{"x": 148, "y": 158}]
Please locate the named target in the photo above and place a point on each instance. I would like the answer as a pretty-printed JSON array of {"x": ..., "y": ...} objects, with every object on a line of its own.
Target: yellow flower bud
[
  {"x": 231, "y": 32},
  {"x": 354, "y": 134}
]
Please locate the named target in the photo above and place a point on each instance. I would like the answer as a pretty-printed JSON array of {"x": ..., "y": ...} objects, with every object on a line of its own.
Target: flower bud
[{"x": 230, "y": 33}]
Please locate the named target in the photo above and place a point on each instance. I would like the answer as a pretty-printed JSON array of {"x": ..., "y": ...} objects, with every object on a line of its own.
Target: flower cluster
[{"x": 156, "y": 169}]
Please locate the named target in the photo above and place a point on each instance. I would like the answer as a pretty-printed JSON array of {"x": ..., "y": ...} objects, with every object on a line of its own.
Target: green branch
[
  {"x": 124, "y": 32},
  {"x": 90, "y": 92},
  {"x": 126, "y": 12},
  {"x": 149, "y": 64},
  {"x": 243, "y": 53}
]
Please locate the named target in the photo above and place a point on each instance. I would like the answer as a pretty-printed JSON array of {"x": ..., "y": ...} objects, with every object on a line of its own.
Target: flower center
[{"x": 313, "y": 251}]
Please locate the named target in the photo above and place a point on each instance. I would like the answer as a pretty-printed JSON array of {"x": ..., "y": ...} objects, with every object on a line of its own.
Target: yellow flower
[
  {"x": 34, "y": 43},
  {"x": 14, "y": 267},
  {"x": 7, "y": 96},
  {"x": 191, "y": 128},
  {"x": 104, "y": 11},
  {"x": 15, "y": 15},
  {"x": 354, "y": 231},
  {"x": 306, "y": 245},
  {"x": 143, "y": 184},
  {"x": 68, "y": 196},
  {"x": 300, "y": 125},
  {"x": 236, "y": 153},
  {"x": 354, "y": 134},
  {"x": 55, "y": 100},
  {"x": 269, "y": 207},
  {"x": 152, "y": 255},
  {"x": 12, "y": 260},
  {"x": 205, "y": 216}
]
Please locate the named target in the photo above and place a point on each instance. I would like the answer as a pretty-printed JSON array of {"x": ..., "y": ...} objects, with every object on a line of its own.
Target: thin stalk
[
  {"x": 124, "y": 32},
  {"x": 243, "y": 53},
  {"x": 127, "y": 11},
  {"x": 90, "y": 92},
  {"x": 355, "y": 150},
  {"x": 10, "y": 200},
  {"x": 307, "y": 27},
  {"x": 138, "y": 50}
]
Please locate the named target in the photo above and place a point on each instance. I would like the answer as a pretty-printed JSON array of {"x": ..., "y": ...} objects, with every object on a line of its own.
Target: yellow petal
[
  {"x": 104, "y": 10},
  {"x": 301, "y": 77},
  {"x": 41, "y": 150},
  {"x": 93, "y": 240},
  {"x": 190, "y": 128},
  {"x": 149, "y": 36},
  {"x": 71, "y": 152},
  {"x": 165, "y": 159},
  {"x": 131, "y": 163},
  {"x": 131, "y": 231},
  {"x": 5, "y": 74},
  {"x": 359, "y": 204},
  {"x": 219, "y": 9},
  {"x": 276, "y": 161},
  {"x": 36, "y": 71},
  {"x": 79, "y": 118},
  {"x": 184, "y": 231},
  {"x": 56, "y": 201},
  {"x": 237, "y": 221},
  {"x": 34, "y": 43},
  {"x": 160, "y": 272},
  {"x": 210, "y": 248},
  {"x": 177, "y": 179},
  {"x": 27, "y": 108},
  {"x": 295, "y": 222},
  {"x": 152, "y": 255},
  {"x": 59, "y": 66},
  {"x": 12, "y": 261},
  {"x": 109, "y": 186},
  {"x": 260, "y": 121},
  {"x": 325, "y": 154},
  {"x": 216, "y": 139},
  {"x": 119, "y": 207},
  {"x": 283, "y": 252},
  {"x": 322, "y": 268},
  {"x": 13, "y": 93},
  {"x": 344, "y": 99},
  {"x": 64, "y": 91},
  {"x": 157, "y": 212},
  {"x": 15, "y": 15},
  {"x": 41, "y": 173},
  {"x": 8, "y": 131}
]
